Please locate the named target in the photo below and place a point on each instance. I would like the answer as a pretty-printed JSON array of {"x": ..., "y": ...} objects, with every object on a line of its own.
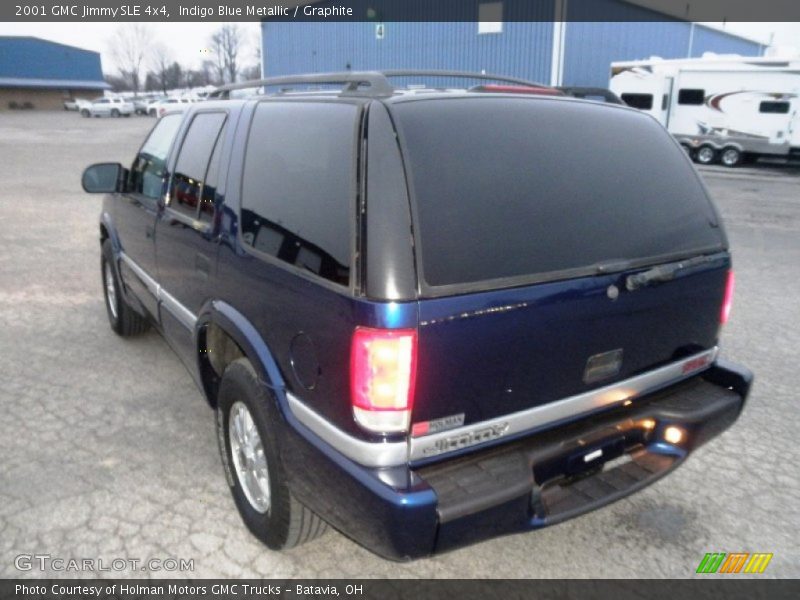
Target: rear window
[{"x": 535, "y": 188}]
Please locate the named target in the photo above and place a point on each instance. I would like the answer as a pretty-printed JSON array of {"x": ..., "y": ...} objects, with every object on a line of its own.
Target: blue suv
[{"x": 426, "y": 316}]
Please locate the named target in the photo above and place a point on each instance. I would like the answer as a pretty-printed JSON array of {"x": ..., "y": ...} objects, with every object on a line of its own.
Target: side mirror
[{"x": 103, "y": 178}]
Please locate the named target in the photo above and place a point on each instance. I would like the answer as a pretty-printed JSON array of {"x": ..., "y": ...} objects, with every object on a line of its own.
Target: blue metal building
[
  {"x": 559, "y": 42},
  {"x": 36, "y": 73}
]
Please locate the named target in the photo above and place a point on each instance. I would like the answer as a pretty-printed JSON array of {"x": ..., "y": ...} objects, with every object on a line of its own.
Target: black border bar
[
  {"x": 394, "y": 10},
  {"x": 734, "y": 587}
]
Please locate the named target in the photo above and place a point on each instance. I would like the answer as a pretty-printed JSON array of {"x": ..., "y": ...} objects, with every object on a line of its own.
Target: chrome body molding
[
  {"x": 439, "y": 444},
  {"x": 383, "y": 454},
  {"x": 164, "y": 298},
  {"x": 387, "y": 454},
  {"x": 368, "y": 454},
  {"x": 178, "y": 310},
  {"x": 152, "y": 285}
]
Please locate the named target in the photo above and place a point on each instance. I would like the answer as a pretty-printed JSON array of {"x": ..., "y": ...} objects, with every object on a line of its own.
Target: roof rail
[
  {"x": 460, "y": 75},
  {"x": 353, "y": 82},
  {"x": 364, "y": 83}
]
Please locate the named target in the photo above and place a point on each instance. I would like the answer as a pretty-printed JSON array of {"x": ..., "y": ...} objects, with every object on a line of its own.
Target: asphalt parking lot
[{"x": 107, "y": 448}]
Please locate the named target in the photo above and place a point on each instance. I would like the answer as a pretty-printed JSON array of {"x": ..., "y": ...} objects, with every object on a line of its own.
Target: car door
[
  {"x": 185, "y": 232},
  {"x": 102, "y": 107},
  {"x": 135, "y": 213}
]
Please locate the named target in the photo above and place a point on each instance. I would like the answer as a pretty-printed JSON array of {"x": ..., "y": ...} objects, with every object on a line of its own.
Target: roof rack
[
  {"x": 353, "y": 83},
  {"x": 364, "y": 83},
  {"x": 459, "y": 75}
]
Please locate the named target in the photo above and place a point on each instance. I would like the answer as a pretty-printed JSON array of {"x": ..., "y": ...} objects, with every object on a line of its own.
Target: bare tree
[
  {"x": 129, "y": 47},
  {"x": 226, "y": 44},
  {"x": 161, "y": 63}
]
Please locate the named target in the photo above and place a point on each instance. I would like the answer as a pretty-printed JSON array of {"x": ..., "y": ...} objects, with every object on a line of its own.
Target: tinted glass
[
  {"x": 299, "y": 185},
  {"x": 190, "y": 169},
  {"x": 148, "y": 170},
  {"x": 690, "y": 96},
  {"x": 640, "y": 101},
  {"x": 781, "y": 108},
  {"x": 520, "y": 187},
  {"x": 211, "y": 181}
]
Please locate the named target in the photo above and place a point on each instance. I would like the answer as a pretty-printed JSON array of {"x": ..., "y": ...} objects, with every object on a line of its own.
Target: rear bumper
[{"x": 539, "y": 480}]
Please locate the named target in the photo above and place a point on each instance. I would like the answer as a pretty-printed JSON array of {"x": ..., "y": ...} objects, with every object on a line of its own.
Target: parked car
[
  {"x": 76, "y": 104},
  {"x": 411, "y": 325},
  {"x": 141, "y": 104},
  {"x": 108, "y": 107},
  {"x": 161, "y": 106}
]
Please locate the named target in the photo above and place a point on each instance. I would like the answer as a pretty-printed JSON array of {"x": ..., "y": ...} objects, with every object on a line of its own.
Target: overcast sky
[{"x": 186, "y": 41}]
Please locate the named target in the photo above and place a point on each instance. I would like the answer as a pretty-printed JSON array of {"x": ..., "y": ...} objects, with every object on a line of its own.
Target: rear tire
[
  {"x": 123, "y": 319},
  {"x": 705, "y": 155},
  {"x": 256, "y": 476},
  {"x": 85, "y": 113},
  {"x": 730, "y": 156},
  {"x": 114, "y": 112}
]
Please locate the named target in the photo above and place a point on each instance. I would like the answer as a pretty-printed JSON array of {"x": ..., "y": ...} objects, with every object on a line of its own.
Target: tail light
[
  {"x": 727, "y": 300},
  {"x": 383, "y": 364}
]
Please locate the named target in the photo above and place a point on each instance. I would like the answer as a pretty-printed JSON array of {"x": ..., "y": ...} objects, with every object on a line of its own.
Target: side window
[
  {"x": 299, "y": 185},
  {"x": 148, "y": 170},
  {"x": 779, "y": 108},
  {"x": 192, "y": 164},
  {"x": 640, "y": 101},
  {"x": 211, "y": 181},
  {"x": 690, "y": 96}
]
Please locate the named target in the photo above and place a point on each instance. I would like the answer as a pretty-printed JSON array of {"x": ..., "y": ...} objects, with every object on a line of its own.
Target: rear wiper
[{"x": 661, "y": 273}]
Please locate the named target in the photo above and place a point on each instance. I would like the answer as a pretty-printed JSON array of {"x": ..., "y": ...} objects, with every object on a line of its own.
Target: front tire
[
  {"x": 247, "y": 431},
  {"x": 114, "y": 112},
  {"x": 123, "y": 319},
  {"x": 85, "y": 113}
]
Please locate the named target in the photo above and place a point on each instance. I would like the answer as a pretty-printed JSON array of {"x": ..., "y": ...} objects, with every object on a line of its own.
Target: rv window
[
  {"x": 688, "y": 96},
  {"x": 781, "y": 108},
  {"x": 664, "y": 102},
  {"x": 640, "y": 101}
]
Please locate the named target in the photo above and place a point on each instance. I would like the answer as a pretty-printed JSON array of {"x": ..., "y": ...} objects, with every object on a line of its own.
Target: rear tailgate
[
  {"x": 533, "y": 218},
  {"x": 494, "y": 353}
]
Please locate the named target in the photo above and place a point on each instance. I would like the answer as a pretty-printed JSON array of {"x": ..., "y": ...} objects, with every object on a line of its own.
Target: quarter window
[
  {"x": 691, "y": 96},
  {"x": 640, "y": 101},
  {"x": 193, "y": 162},
  {"x": 299, "y": 185}
]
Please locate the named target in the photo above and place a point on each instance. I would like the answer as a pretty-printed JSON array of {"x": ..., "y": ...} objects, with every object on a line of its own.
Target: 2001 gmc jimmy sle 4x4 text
[{"x": 426, "y": 316}]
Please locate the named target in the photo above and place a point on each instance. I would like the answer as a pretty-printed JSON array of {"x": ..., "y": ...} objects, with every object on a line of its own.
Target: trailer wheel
[
  {"x": 705, "y": 155},
  {"x": 730, "y": 156}
]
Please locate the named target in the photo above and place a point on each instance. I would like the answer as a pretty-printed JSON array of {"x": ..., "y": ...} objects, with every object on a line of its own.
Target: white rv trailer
[{"x": 719, "y": 107}]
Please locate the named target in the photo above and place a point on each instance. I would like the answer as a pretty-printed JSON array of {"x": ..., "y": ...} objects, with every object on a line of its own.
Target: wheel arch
[
  {"x": 108, "y": 231},
  {"x": 223, "y": 334}
]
